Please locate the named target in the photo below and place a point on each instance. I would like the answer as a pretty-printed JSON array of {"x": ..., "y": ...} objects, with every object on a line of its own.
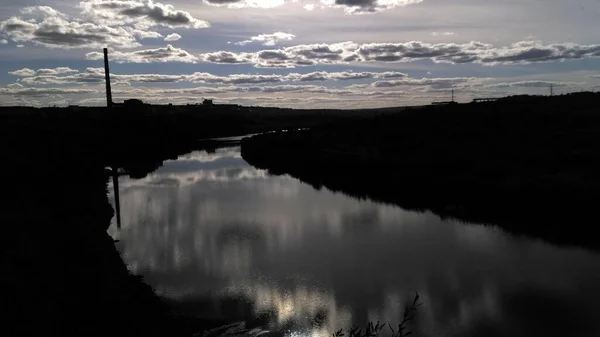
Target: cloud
[
  {"x": 173, "y": 37},
  {"x": 142, "y": 14},
  {"x": 15, "y": 90},
  {"x": 46, "y": 76},
  {"x": 368, "y": 6},
  {"x": 434, "y": 83},
  {"x": 64, "y": 75},
  {"x": 159, "y": 55},
  {"x": 3, "y": 41},
  {"x": 227, "y": 57},
  {"x": 347, "y": 75},
  {"x": 103, "y": 23},
  {"x": 289, "y": 57},
  {"x": 57, "y": 31},
  {"x": 42, "y": 11},
  {"x": 350, "y": 6},
  {"x": 442, "y": 34},
  {"x": 268, "y": 39},
  {"x": 265, "y": 91},
  {"x": 144, "y": 34},
  {"x": 349, "y": 52},
  {"x": 26, "y": 72},
  {"x": 247, "y": 3},
  {"x": 533, "y": 84}
]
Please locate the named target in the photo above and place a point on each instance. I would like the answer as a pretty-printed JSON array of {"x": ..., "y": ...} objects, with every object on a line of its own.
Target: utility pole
[
  {"x": 453, "y": 95},
  {"x": 551, "y": 89}
]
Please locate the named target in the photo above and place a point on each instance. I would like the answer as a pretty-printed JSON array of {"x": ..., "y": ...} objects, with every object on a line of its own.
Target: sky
[{"x": 296, "y": 53}]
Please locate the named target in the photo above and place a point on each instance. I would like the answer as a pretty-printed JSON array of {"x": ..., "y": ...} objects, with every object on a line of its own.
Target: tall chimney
[{"x": 107, "y": 76}]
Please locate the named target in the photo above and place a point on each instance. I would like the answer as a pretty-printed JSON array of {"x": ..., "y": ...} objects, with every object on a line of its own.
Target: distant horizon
[
  {"x": 276, "y": 107},
  {"x": 295, "y": 53}
]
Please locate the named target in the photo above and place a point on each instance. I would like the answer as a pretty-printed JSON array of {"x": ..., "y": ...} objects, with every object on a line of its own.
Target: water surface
[{"x": 209, "y": 228}]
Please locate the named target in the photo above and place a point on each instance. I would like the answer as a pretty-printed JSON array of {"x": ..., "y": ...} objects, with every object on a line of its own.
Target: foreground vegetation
[{"x": 374, "y": 330}]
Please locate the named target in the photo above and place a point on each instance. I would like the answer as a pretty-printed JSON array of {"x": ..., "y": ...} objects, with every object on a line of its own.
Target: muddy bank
[{"x": 528, "y": 165}]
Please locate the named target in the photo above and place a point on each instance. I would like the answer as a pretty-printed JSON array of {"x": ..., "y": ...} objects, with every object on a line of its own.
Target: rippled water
[{"x": 230, "y": 240}]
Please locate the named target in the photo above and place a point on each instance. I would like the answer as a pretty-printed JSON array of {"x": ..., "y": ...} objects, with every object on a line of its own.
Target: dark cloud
[{"x": 366, "y": 5}]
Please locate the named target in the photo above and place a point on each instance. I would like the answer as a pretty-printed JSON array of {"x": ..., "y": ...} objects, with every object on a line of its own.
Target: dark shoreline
[{"x": 529, "y": 165}]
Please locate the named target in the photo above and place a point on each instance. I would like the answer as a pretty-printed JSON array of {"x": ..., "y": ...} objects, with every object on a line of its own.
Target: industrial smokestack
[{"x": 107, "y": 75}]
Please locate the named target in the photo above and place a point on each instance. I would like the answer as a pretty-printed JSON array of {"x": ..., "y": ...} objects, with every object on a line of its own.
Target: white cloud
[
  {"x": 42, "y": 11},
  {"x": 44, "y": 77},
  {"x": 142, "y": 14},
  {"x": 3, "y": 41},
  {"x": 144, "y": 34},
  {"x": 247, "y": 3},
  {"x": 57, "y": 31},
  {"x": 534, "y": 84},
  {"x": 442, "y": 34},
  {"x": 434, "y": 83},
  {"x": 173, "y": 37},
  {"x": 26, "y": 72},
  {"x": 114, "y": 23},
  {"x": 349, "y": 52},
  {"x": 268, "y": 39},
  {"x": 64, "y": 75},
  {"x": 159, "y": 55},
  {"x": 14, "y": 90},
  {"x": 350, "y": 6}
]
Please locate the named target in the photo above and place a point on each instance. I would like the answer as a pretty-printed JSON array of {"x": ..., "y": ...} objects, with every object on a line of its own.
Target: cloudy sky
[{"x": 296, "y": 53}]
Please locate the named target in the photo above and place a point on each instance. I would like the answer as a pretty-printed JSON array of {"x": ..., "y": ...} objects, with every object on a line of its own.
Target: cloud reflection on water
[{"x": 209, "y": 225}]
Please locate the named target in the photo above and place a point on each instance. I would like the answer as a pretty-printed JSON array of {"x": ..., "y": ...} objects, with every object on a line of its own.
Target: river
[{"x": 211, "y": 231}]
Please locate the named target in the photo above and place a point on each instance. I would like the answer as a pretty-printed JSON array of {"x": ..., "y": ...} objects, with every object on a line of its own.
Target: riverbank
[
  {"x": 527, "y": 164},
  {"x": 63, "y": 275}
]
